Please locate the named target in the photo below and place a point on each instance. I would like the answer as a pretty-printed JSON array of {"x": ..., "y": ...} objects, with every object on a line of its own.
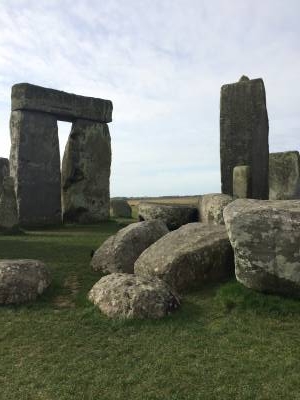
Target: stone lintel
[{"x": 65, "y": 106}]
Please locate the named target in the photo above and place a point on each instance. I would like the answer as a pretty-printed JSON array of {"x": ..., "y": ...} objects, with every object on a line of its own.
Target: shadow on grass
[{"x": 235, "y": 296}]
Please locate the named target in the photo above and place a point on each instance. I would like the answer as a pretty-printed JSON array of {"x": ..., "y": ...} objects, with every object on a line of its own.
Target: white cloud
[{"x": 162, "y": 62}]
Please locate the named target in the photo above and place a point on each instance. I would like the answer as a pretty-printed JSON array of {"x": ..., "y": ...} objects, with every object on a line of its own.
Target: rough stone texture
[
  {"x": 8, "y": 206},
  {"x": 35, "y": 167},
  {"x": 265, "y": 236},
  {"x": 86, "y": 173},
  {"x": 119, "y": 252},
  {"x": 188, "y": 257},
  {"x": 65, "y": 106},
  {"x": 120, "y": 208},
  {"x": 129, "y": 296},
  {"x": 174, "y": 215},
  {"x": 4, "y": 170},
  {"x": 210, "y": 207},
  {"x": 244, "y": 131},
  {"x": 242, "y": 181},
  {"x": 284, "y": 175},
  {"x": 22, "y": 280}
]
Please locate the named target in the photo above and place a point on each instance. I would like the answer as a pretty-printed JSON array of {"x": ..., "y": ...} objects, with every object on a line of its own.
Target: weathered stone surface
[
  {"x": 35, "y": 167},
  {"x": 120, "y": 208},
  {"x": 265, "y": 236},
  {"x": 129, "y": 296},
  {"x": 242, "y": 181},
  {"x": 244, "y": 131},
  {"x": 65, "y": 106},
  {"x": 22, "y": 280},
  {"x": 188, "y": 257},
  {"x": 4, "y": 170},
  {"x": 119, "y": 252},
  {"x": 8, "y": 206},
  {"x": 174, "y": 215},
  {"x": 284, "y": 175},
  {"x": 211, "y": 206},
  {"x": 86, "y": 173}
]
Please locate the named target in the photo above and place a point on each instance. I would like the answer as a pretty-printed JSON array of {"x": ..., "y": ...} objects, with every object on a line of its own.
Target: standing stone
[
  {"x": 120, "y": 208},
  {"x": 86, "y": 173},
  {"x": 8, "y": 206},
  {"x": 4, "y": 170},
  {"x": 211, "y": 206},
  {"x": 244, "y": 130},
  {"x": 242, "y": 181},
  {"x": 35, "y": 167},
  {"x": 284, "y": 175}
]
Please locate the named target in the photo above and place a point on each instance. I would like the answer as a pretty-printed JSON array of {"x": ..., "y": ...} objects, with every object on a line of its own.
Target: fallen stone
[
  {"x": 65, "y": 106},
  {"x": 242, "y": 181},
  {"x": 86, "y": 173},
  {"x": 265, "y": 236},
  {"x": 4, "y": 170},
  {"x": 188, "y": 257},
  {"x": 129, "y": 296},
  {"x": 35, "y": 167},
  {"x": 284, "y": 175},
  {"x": 119, "y": 252},
  {"x": 9, "y": 219},
  {"x": 120, "y": 208},
  {"x": 244, "y": 131},
  {"x": 22, "y": 280},
  {"x": 174, "y": 215},
  {"x": 211, "y": 206}
]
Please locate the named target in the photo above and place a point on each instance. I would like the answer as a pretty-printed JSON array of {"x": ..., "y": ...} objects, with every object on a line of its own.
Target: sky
[{"x": 162, "y": 63}]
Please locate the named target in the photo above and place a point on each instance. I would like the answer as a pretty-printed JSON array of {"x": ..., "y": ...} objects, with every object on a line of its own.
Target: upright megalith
[
  {"x": 4, "y": 170},
  {"x": 284, "y": 175},
  {"x": 8, "y": 206},
  {"x": 244, "y": 131},
  {"x": 86, "y": 173},
  {"x": 35, "y": 159},
  {"x": 35, "y": 167},
  {"x": 242, "y": 182}
]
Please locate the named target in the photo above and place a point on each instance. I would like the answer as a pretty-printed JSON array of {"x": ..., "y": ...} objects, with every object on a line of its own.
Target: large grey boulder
[
  {"x": 119, "y": 252},
  {"x": 22, "y": 280},
  {"x": 284, "y": 175},
  {"x": 244, "y": 131},
  {"x": 9, "y": 219},
  {"x": 65, "y": 106},
  {"x": 86, "y": 173},
  {"x": 120, "y": 208},
  {"x": 4, "y": 170},
  {"x": 265, "y": 236},
  {"x": 188, "y": 257},
  {"x": 174, "y": 215},
  {"x": 211, "y": 206},
  {"x": 35, "y": 167},
  {"x": 129, "y": 296}
]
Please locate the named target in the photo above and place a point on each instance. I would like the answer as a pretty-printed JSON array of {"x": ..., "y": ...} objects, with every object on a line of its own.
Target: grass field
[{"x": 225, "y": 342}]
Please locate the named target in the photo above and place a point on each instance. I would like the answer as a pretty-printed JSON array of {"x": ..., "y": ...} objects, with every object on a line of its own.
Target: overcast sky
[{"x": 162, "y": 63}]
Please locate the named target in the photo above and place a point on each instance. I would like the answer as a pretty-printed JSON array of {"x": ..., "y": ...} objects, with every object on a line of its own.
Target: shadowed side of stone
[
  {"x": 64, "y": 106},
  {"x": 120, "y": 208},
  {"x": 244, "y": 130},
  {"x": 284, "y": 175},
  {"x": 35, "y": 167},
  {"x": 9, "y": 220},
  {"x": 86, "y": 173}
]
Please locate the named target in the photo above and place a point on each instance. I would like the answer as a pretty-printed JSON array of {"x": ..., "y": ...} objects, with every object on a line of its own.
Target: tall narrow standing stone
[
  {"x": 4, "y": 170},
  {"x": 242, "y": 182},
  {"x": 35, "y": 167},
  {"x": 244, "y": 131},
  {"x": 86, "y": 173}
]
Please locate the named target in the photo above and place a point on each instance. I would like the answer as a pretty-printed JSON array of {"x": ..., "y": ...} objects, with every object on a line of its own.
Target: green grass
[{"x": 226, "y": 342}]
